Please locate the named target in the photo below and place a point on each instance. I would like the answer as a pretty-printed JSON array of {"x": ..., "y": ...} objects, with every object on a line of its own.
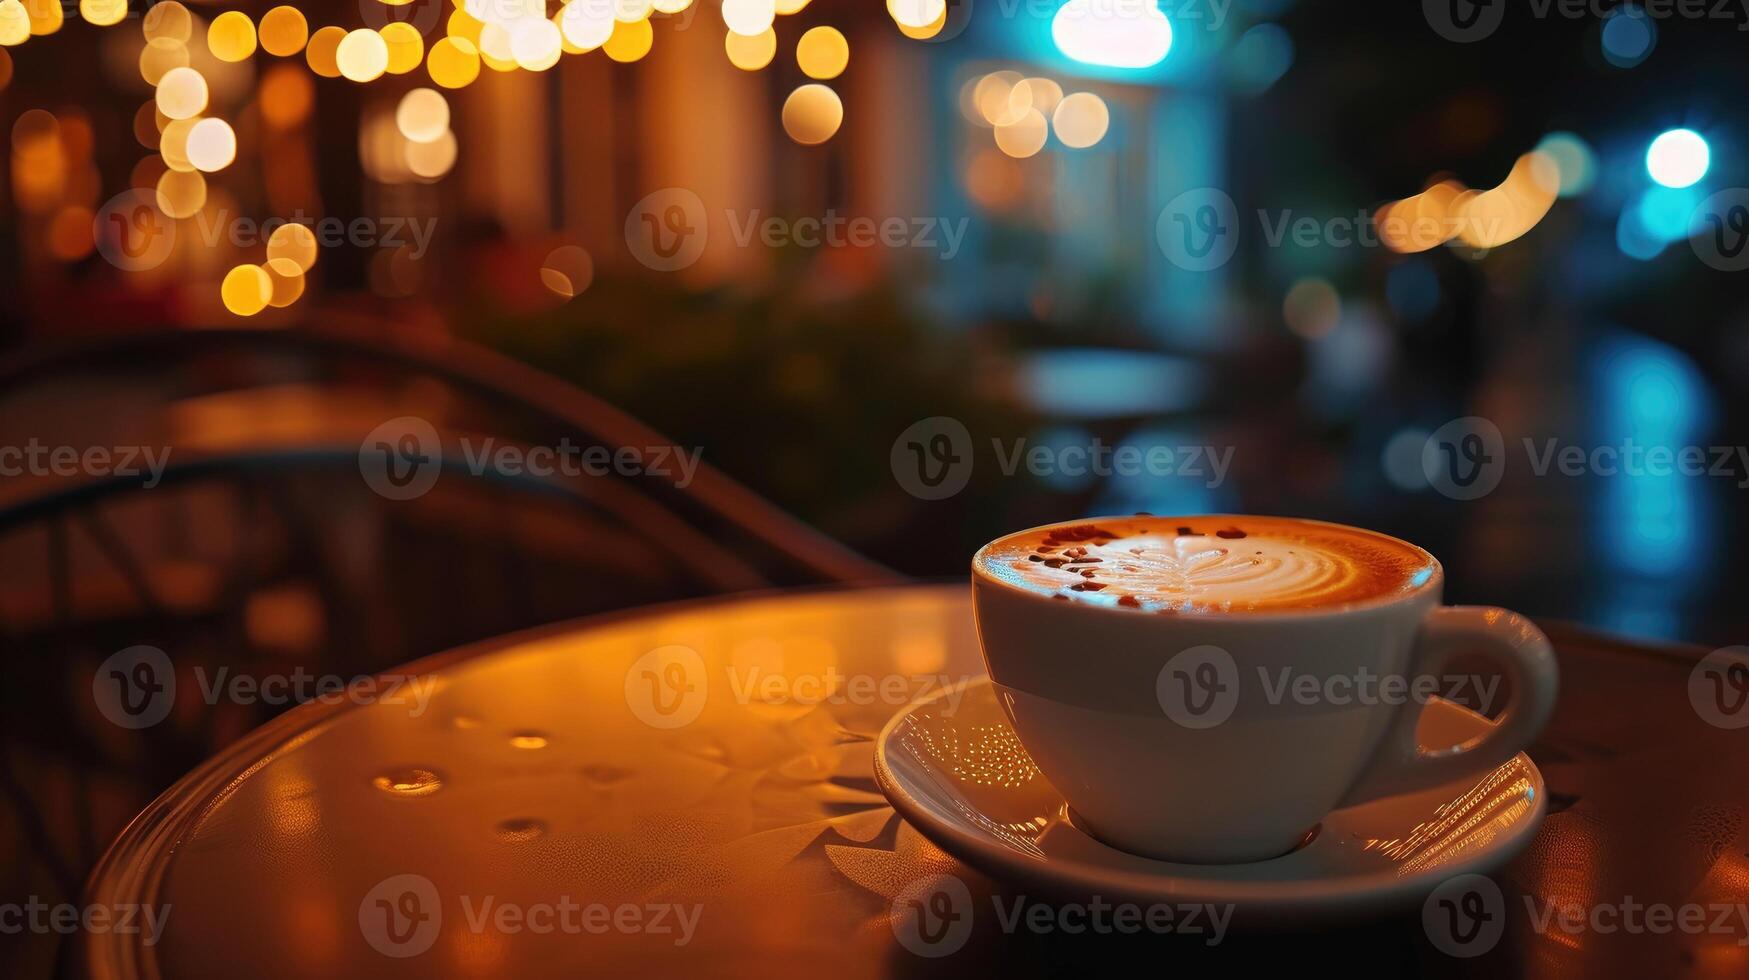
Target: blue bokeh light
[{"x": 1628, "y": 37}]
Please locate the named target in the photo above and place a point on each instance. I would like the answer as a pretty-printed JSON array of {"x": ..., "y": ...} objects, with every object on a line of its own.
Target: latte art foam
[{"x": 1208, "y": 564}]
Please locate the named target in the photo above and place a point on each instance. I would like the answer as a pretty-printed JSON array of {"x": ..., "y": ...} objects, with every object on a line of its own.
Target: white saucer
[{"x": 963, "y": 780}]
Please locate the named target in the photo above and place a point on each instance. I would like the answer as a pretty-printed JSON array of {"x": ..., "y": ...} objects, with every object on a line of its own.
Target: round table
[{"x": 687, "y": 790}]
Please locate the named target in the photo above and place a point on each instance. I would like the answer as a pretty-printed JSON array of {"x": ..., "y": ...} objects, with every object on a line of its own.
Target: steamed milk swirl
[{"x": 1209, "y": 563}]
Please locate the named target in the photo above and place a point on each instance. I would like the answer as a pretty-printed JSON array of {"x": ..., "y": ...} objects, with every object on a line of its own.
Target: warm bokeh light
[
  {"x": 285, "y": 96},
  {"x": 211, "y": 145},
  {"x": 422, "y": 115},
  {"x": 173, "y": 144},
  {"x": 285, "y": 282},
  {"x": 1025, "y": 136},
  {"x": 14, "y": 23},
  {"x": 822, "y": 53},
  {"x": 750, "y": 17},
  {"x": 928, "y": 30},
  {"x": 433, "y": 159},
  {"x": 464, "y": 25},
  {"x": 181, "y": 194},
  {"x": 182, "y": 93},
  {"x": 169, "y": 20},
  {"x": 994, "y": 180},
  {"x": 916, "y": 13},
  {"x": 46, "y": 17},
  {"x": 629, "y": 42},
  {"x": 750, "y": 53},
  {"x": 454, "y": 62},
  {"x": 535, "y": 44},
  {"x": 323, "y": 51},
  {"x": 812, "y": 114},
  {"x": 1000, "y": 99},
  {"x": 1420, "y": 222},
  {"x": 362, "y": 55},
  {"x": 1042, "y": 94},
  {"x": 567, "y": 271},
  {"x": 103, "y": 12},
  {"x": 283, "y": 31},
  {"x": 1494, "y": 217},
  {"x": 246, "y": 290},
  {"x": 1081, "y": 120},
  {"x": 587, "y": 24},
  {"x": 633, "y": 10},
  {"x": 294, "y": 242},
  {"x": 158, "y": 56},
  {"x": 406, "y": 47},
  {"x": 231, "y": 36}
]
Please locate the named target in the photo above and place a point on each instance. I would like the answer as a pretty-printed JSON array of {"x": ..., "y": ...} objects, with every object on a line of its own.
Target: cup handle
[{"x": 1512, "y": 641}]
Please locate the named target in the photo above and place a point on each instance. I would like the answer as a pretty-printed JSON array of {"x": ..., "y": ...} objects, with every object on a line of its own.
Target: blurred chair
[{"x": 263, "y": 550}]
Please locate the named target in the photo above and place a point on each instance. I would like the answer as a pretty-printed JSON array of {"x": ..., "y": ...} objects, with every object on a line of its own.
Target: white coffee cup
[{"x": 1174, "y": 737}]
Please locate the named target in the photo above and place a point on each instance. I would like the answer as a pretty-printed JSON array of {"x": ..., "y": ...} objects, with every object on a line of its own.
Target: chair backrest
[{"x": 248, "y": 535}]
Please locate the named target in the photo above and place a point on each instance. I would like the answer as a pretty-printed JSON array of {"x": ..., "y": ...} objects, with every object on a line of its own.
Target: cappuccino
[{"x": 1208, "y": 564}]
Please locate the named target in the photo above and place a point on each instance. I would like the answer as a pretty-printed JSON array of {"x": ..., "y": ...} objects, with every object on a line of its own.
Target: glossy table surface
[{"x": 688, "y": 790}]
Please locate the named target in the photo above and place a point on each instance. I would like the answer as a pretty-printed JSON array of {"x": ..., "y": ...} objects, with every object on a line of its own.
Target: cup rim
[{"x": 1433, "y": 585}]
